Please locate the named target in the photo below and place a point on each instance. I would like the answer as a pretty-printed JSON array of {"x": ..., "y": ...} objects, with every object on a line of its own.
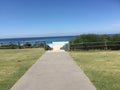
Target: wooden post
[
  {"x": 68, "y": 46},
  {"x": 105, "y": 45},
  {"x": 19, "y": 45},
  {"x": 44, "y": 45}
]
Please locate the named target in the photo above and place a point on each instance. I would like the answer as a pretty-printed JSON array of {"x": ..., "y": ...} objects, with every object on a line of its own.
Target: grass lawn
[
  {"x": 102, "y": 67},
  {"x": 14, "y": 63}
]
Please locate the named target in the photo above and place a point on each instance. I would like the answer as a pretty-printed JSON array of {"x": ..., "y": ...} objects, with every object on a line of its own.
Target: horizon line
[{"x": 54, "y": 36}]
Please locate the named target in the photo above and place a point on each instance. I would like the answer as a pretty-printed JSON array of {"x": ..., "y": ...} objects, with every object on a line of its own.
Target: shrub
[
  {"x": 39, "y": 44},
  {"x": 8, "y": 46},
  {"x": 27, "y": 45},
  {"x": 94, "y": 41},
  {"x": 47, "y": 47}
]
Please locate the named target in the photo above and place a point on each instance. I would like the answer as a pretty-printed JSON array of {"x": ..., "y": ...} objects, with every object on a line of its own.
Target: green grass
[
  {"x": 102, "y": 67},
  {"x": 14, "y": 63}
]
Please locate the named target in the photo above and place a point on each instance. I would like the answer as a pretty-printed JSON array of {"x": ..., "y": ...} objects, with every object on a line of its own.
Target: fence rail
[{"x": 96, "y": 45}]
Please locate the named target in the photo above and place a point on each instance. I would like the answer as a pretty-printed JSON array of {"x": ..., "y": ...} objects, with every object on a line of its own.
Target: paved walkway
[{"x": 55, "y": 70}]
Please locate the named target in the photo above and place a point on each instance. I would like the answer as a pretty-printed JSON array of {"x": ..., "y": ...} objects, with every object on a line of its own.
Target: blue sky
[{"x": 30, "y": 18}]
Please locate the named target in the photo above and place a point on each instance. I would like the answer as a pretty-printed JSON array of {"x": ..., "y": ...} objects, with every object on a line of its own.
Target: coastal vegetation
[
  {"x": 14, "y": 63},
  {"x": 94, "y": 41},
  {"x": 102, "y": 67},
  {"x": 18, "y": 45}
]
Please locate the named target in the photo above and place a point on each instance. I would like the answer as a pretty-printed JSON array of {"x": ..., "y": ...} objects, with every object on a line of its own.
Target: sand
[{"x": 57, "y": 45}]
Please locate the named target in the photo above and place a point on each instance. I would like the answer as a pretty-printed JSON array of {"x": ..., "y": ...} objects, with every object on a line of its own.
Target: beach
[{"x": 57, "y": 45}]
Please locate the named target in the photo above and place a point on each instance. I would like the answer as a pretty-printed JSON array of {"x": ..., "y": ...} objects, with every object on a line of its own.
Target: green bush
[
  {"x": 27, "y": 45},
  {"x": 94, "y": 41},
  {"x": 8, "y": 46},
  {"x": 39, "y": 44}
]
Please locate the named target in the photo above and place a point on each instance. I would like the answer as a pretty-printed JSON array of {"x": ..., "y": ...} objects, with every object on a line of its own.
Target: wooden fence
[{"x": 96, "y": 45}]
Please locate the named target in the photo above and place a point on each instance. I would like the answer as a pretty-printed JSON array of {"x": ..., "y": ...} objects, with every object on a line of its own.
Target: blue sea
[{"x": 48, "y": 40}]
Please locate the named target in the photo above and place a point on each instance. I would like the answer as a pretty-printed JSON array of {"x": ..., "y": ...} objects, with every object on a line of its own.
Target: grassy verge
[
  {"x": 14, "y": 63},
  {"x": 102, "y": 67}
]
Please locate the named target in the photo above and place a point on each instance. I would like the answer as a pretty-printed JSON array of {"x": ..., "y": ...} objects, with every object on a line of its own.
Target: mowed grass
[
  {"x": 102, "y": 67},
  {"x": 14, "y": 63}
]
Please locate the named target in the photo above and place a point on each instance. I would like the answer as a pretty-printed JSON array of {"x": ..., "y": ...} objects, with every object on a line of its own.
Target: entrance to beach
[{"x": 57, "y": 46}]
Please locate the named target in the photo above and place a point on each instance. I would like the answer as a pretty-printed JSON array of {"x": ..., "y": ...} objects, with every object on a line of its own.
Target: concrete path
[{"x": 55, "y": 70}]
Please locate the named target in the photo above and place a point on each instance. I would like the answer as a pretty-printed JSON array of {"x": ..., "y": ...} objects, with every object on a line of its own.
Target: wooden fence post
[
  {"x": 68, "y": 46},
  {"x": 105, "y": 45},
  {"x": 19, "y": 47}
]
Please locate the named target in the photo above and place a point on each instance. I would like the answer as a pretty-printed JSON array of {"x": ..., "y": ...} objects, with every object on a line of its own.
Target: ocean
[{"x": 48, "y": 40}]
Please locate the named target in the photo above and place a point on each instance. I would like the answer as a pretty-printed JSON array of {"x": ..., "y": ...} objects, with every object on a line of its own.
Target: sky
[{"x": 33, "y": 18}]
